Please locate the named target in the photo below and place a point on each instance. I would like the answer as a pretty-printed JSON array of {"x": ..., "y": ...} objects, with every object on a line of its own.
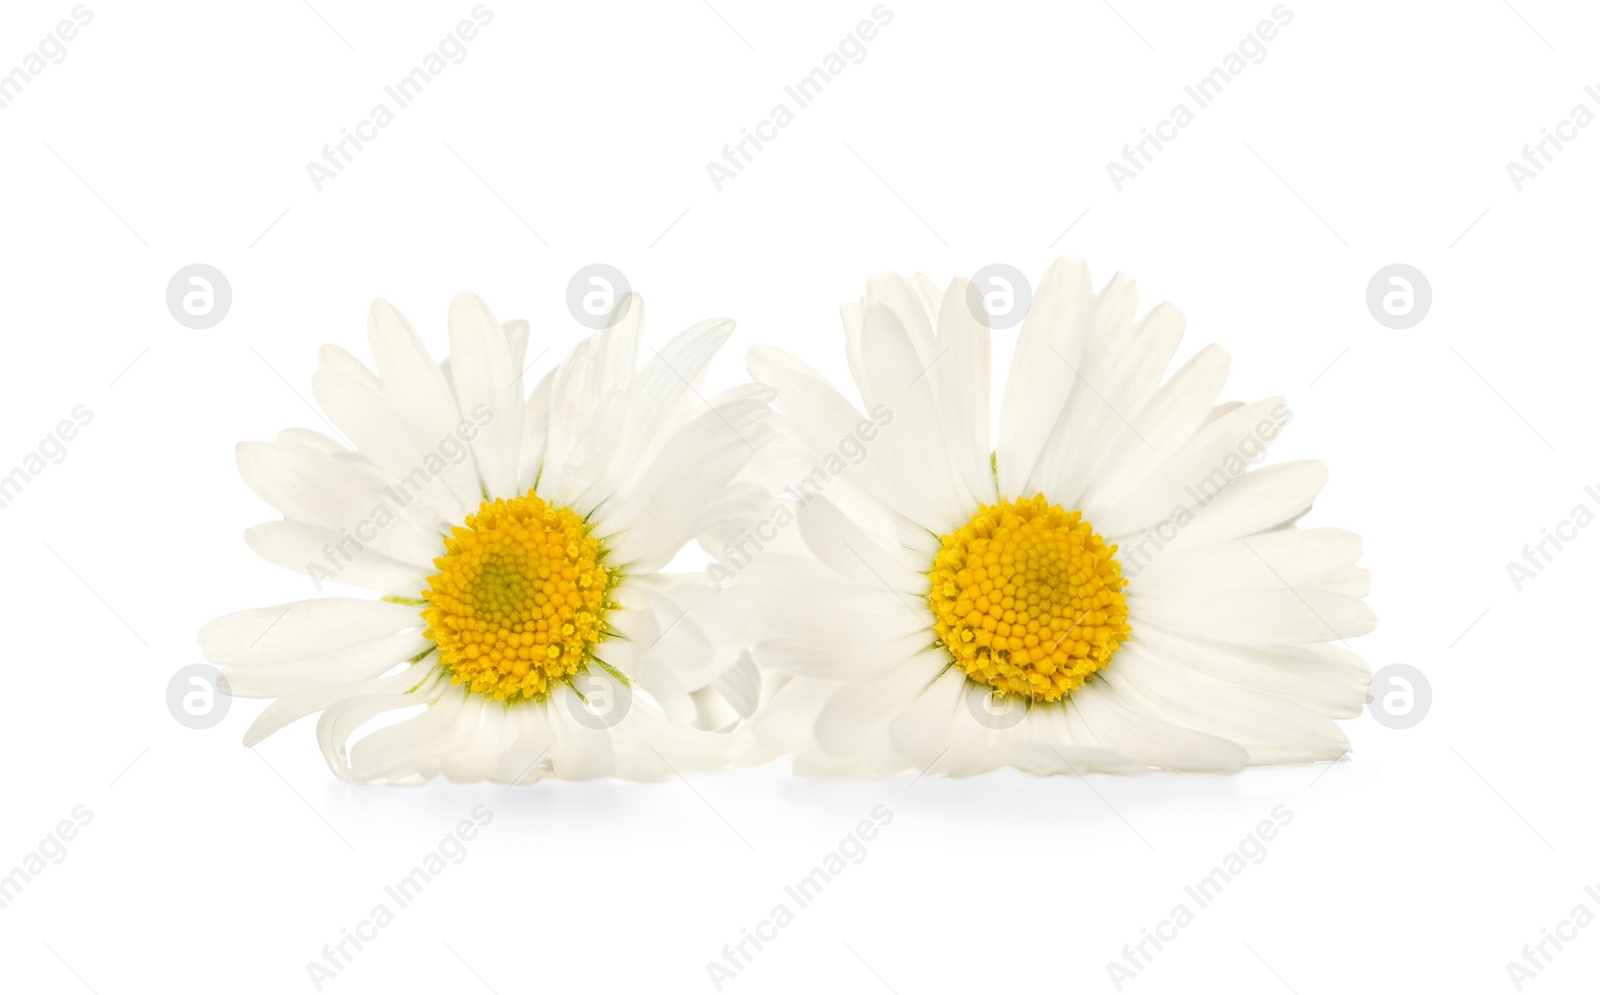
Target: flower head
[
  {"x": 517, "y": 545},
  {"x": 1109, "y": 583}
]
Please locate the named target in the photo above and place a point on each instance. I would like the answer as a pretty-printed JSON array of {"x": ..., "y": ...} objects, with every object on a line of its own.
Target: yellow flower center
[
  {"x": 1028, "y": 598},
  {"x": 520, "y": 598}
]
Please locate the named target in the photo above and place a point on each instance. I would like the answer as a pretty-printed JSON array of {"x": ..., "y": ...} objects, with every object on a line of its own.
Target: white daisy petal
[
  {"x": 442, "y": 729},
  {"x": 787, "y": 721},
  {"x": 916, "y": 432},
  {"x": 615, "y": 354},
  {"x": 313, "y": 487},
  {"x": 535, "y": 433},
  {"x": 1258, "y": 501},
  {"x": 860, "y": 710},
  {"x": 1097, "y": 421},
  {"x": 740, "y": 685},
  {"x": 838, "y": 661},
  {"x": 840, "y": 544},
  {"x": 1051, "y": 741},
  {"x": 826, "y": 418},
  {"x": 493, "y": 732},
  {"x": 1124, "y": 727},
  {"x": 570, "y": 416},
  {"x": 921, "y": 731},
  {"x": 322, "y": 553},
  {"x": 1050, "y": 346},
  {"x": 332, "y": 359},
  {"x": 310, "y": 700},
  {"x": 530, "y": 741},
  {"x": 1257, "y": 616},
  {"x": 301, "y": 628},
  {"x": 366, "y": 417},
  {"x": 961, "y": 374},
  {"x": 1179, "y": 408},
  {"x": 908, "y": 301},
  {"x": 344, "y": 665},
  {"x": 340, "y": 720},
  {"x": 582, "y": 753},
  {"x": 419, "y": 393},
  {"x": 857, "y": 613},
  {"x": 1272, "y": 729},
  {"x": 590, "y": 478},
  {"x": 667, "y": 390},
  {"x": 310, "y": 439},
  {"x": 1323, "y": 677},
  {"x": 1301, "y": 558},
  {"x": 517, "y": 332},
  {"x": 694, "y": 465},
  {"x": 484, "y": 376},
  {"x": 1209, "y": 462}
]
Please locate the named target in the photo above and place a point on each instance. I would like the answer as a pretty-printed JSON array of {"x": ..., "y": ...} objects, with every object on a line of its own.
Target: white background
[{"x": 1371, "y": 134}]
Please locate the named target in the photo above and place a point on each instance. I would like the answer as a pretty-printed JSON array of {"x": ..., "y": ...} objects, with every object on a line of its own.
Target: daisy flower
[
  {"x": 1108, "y": 584},
  {"x": 526, "y": 626}
]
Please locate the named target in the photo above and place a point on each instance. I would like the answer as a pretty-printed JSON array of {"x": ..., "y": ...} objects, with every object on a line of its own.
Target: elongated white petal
[
  {"x": 1050, "y": 347},
  {"x": 861, "y": 710},
  {"x": 326, "y": 557},
  {"x": 301, "y": 628},
  {"x": 1257, "y": 616},
  {"x": 423, "y": 398},
  {"x": 692, "y": 467},
  {"x": 895, "y": 382},
  {"x": 310, "y": 700},
  {"x": 960, "y": 372},
  {"x": 313, "y": 487},
  {"x": 485, "y": 377},
  {"x": 342, "y": 665},
  {"x": 342, "y": 718}
]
